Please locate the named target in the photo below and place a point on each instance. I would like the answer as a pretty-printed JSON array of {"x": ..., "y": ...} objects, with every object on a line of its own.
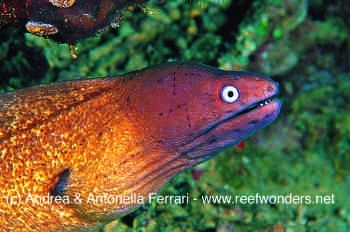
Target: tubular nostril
[{"x": 270, "y": 88}]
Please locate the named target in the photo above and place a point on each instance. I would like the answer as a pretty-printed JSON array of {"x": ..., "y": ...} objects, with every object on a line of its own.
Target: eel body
[{"x": 64, "y": 143}]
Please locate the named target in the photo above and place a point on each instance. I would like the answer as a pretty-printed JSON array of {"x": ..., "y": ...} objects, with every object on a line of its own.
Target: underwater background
[{"x": 303, "y": 45}]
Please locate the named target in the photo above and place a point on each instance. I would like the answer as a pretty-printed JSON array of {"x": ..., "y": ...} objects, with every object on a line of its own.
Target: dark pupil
[{"x": 230, "y": 94}]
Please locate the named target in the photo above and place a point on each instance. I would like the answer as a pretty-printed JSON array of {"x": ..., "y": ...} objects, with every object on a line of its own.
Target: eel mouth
[
  {"x": 224, "y": 133},
  {"x": 255, "y": 106}
]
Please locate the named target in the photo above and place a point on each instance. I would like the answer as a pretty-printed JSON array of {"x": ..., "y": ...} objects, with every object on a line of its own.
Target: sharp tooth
[{"x": 265, "y": 102}]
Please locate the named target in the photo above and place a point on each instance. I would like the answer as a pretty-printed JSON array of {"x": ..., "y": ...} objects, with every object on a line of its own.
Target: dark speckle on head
[
  {"x": 253, "y": 122},
  {"x": 237, "y": 130},
  {"x": 193, "y": 73},
  {"x": 174, "y": 83},
  {"x": 212, "y": 140},
  {"x": 267, "y": 116}
]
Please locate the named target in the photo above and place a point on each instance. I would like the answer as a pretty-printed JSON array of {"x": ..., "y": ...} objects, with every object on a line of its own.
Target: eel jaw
[
  {"x": 253, "y": 106},
  {"x": 222, "y": 134}
]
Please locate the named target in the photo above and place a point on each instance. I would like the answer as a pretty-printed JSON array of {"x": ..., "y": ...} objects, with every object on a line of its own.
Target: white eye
[{"x": 229, "y": 94}]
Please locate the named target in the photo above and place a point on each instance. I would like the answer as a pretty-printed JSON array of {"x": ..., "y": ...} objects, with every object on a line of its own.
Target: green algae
[
  {"x": 271, "y": 18},
  {"x": 305, "y": 152}
]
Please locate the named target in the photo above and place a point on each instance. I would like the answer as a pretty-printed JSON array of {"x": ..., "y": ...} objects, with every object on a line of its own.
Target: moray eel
[{"x": 66, "y": 143}]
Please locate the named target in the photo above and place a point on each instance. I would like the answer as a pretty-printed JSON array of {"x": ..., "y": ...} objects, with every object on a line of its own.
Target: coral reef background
[{"x": 304, "y": 45}]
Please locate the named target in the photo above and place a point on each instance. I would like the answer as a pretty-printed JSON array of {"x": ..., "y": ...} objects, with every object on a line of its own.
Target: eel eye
[{"x": 229, "y": 94}]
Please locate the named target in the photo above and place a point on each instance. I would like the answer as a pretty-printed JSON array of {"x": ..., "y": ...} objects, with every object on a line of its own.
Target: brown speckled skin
[{"x": 117, "y": 136}]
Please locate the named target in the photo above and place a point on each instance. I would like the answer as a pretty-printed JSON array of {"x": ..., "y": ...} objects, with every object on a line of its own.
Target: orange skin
[{"x": 117, "y": 136}]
